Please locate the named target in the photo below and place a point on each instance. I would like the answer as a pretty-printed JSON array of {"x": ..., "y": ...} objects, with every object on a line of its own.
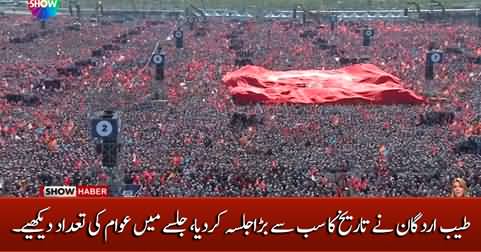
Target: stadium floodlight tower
[
  {"x": 100, "y": 8},
  {"x": 479, "y": 17},
  {"x": 333, "y": 19},
  {"x": 416, "y": 6},
  {"x": 70, "y": 7},
  {"x": 77, "y": 8},
  {"x": 294, "y": 13},
  {"x": 105, "y": 130}
]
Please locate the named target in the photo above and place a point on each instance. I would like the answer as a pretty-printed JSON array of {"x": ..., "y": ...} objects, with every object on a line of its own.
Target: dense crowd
[{"x": 190, "y": 146}]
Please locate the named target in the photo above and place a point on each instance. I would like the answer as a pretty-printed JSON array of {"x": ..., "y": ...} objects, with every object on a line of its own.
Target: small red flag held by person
[
  {"x": 261, "y": 185},
  {"x": 67, "y": 129},
  {"x": 78, "y": 165},
  {"x": 335, "y": 120},
  {"x": 135, "y": 160},
  {"x": 176, "y": 160},
  {"x": 67, "y": 181},
  {"x": 52, "y": 145}
]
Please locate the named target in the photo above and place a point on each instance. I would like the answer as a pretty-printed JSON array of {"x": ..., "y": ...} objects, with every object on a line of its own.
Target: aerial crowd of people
[{"x": 190, "y": 145}]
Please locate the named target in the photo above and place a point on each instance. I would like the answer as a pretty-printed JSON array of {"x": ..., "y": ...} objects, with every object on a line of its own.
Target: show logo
[
  {"x": 43, "y": 9},
  {"x": 73, "y": 191}
]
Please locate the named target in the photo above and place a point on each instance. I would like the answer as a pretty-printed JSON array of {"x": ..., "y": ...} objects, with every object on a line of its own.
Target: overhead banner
[
  {"x": 239, "y": 224},
  {"x": 362, "y": 83}
]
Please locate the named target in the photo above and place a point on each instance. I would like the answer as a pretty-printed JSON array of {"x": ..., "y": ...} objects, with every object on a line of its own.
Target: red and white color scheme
[
  {"x": 227, "y": 224},
  {"x": 73, "y": 191},
  {"x": 364, "y": 83}
]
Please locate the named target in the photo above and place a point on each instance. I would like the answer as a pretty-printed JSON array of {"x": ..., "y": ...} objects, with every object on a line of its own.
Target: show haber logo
[
  {"x": 59, "y": 191},
  {"x": 43, "y": 9},
  {"x": 73, "y": 191}
]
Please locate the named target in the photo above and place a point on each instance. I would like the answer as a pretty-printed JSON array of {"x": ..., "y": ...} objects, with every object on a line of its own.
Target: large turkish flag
[{"x": 358, "y": 83}]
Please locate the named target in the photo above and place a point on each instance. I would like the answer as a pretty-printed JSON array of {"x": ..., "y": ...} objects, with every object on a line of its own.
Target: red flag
[
  {"x": 335, "y": 120},
  {"x": 477, "y": 129},
  {"x": 274, "y": 164},
  {"x": 162, "y": 179},
  {"x": 136, "y": 179},
  {"x": 52, "y": 145},
  {"x": 187, "y": 140},
  {"x": 148, "y": 177},
  {"x": 67, "y": 129},
  {"x": 43, "y": 119},
  {"x": 353, "y": 84},
  {"x": 67, "y": 181},
  {"x": 386, "y": 125},
  {"x": 135, "y": 161},
  {"x": 382, "y": 169},
  {"x": 176, "y": 160},
  {"x": 261, "y": 185},
  {"x": 172, "y": 95},
  {"x": 12, "y": 130},
  {"x": 78, "y": 165}
]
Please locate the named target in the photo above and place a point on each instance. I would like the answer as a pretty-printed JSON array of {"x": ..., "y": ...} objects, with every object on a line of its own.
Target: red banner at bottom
[{"x": 241, "y": 224}]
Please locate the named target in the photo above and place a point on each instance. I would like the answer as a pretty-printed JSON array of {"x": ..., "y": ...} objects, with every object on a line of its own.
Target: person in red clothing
[
  {"x": 67, "y": 181},
  {"x": 176, "y": 160},
  {"x": 136, "y": 179},
  {"x": 148, "y": 177}
]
